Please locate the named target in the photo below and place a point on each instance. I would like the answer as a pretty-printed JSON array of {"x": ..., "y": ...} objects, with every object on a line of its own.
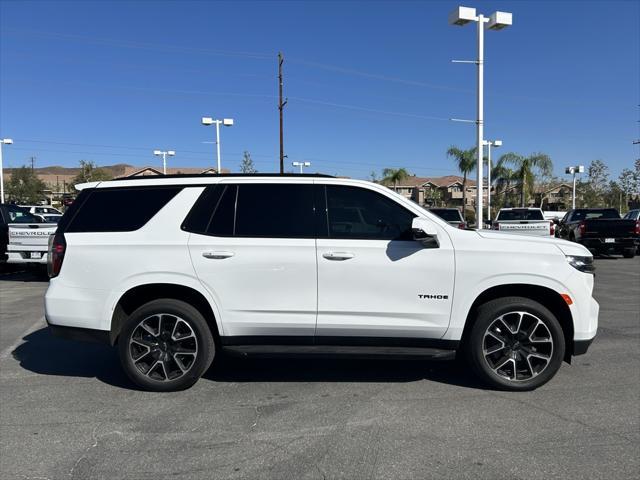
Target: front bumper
[{"x": 580, "y": 347}]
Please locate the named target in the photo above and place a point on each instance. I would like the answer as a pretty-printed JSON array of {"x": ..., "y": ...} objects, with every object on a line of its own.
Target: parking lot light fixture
[
  {"x": 4, "y": 141},
  {"x": 226, "y": 122},
  {"x": 497, "y": 21},
  {"x": 301, "y": 165},
  {"x": 489, "y": 144},
  {"x": 163, "y": 154},
  {"x": 574, "y": 171}
]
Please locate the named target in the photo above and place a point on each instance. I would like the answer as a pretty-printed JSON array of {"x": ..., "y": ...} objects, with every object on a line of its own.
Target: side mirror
[{"x": 425, "y": 232}]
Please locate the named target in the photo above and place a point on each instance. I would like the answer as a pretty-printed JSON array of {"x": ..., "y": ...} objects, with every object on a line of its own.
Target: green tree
[
  {"x": 394, "y": 175},
  {"x": 465, "y": 160},
  {"x": 374, "y": 176},
  {"x": 594, "y": 187},
  {"x": 247, "y": 166},
  {"x": 628, "y": 184},
  {"x": 598, "y": 176},
  {"x": 25, "y": 186},
  {"x": 504, "y": 179},
  {"x": 526, "y": 169},
  {"x": 90, "y": 172}
]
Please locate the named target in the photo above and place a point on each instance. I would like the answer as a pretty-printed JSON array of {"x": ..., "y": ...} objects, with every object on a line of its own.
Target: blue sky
[{"x": 370, "y": 84}]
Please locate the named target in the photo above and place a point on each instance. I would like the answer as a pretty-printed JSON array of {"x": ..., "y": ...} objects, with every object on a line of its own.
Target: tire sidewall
[
  {"x": 489, "y": 312},
  {"x": 206, "y": 346}
]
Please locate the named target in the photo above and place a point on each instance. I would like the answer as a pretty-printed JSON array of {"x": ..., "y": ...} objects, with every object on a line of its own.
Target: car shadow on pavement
[
  {"x": 44, "y": 354},
  {"x": 339, "y": 369},
  {"x": 9, "y": 273}
]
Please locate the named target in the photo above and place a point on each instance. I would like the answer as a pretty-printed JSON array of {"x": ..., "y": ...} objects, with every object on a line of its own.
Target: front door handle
[
  {"x": 338, "y": 255},
  {"x": 218, "y": 255}
]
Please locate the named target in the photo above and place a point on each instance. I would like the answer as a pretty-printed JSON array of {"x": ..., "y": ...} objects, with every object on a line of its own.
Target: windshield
[
  {"x": 20, "y": 215},
  {"x": 51, "y": 218},
  {"x": 589, "y": 214},
  {"x": 521, "y": 214},
  {"x": 446, "y": 214}
]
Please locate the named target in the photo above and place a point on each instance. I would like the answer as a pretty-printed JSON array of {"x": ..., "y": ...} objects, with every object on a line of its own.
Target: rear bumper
[
  {"x": 71, "y": 306},
  {"x": 600, "y": 244},
  {"x": 24, "y": 257},
  {"x": 80, "y": 334}
]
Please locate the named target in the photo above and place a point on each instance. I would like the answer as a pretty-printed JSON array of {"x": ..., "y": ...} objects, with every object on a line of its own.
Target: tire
[
  {"x": 165, "y": 345},
  {"x": 629, "y": 252},
  {"x": 522, "y": 364}
]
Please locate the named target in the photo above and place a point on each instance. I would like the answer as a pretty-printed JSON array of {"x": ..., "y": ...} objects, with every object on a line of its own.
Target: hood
[{"x": 565, "y": 246}]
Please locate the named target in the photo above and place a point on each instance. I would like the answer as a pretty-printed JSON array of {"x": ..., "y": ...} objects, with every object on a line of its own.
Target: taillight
[
  {"x": 57, "y": 247},
  {"x": 461, "y": 226},
  {"x": 637, "y": 230},
  {"x": 582, "y": 228},
  {"x": 552, "y": 229},
  {"x": 496, "y": 226}
]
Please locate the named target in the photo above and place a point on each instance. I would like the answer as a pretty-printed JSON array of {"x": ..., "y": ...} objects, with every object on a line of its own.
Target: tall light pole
[
  {"x": 497, "y": 21},
  {"x": 573, "y": 171},
  {"x": 301, "y": 165},
  {"x": 163, "y": 154},
  {"x": 489, "y": 144},
  {"x": 4, "y": 141},
  {"x": 227, "y": 122}
]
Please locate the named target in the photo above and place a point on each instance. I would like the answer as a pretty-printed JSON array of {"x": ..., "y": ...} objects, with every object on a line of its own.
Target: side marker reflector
[{"x": 567, "y": 299}]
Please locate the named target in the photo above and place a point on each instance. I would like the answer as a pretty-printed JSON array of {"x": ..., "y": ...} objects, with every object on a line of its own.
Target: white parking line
[{"x": 7, "y": 351}]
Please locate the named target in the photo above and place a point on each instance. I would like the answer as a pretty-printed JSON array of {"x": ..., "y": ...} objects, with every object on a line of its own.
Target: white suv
[{"x": 173, "y": 270}]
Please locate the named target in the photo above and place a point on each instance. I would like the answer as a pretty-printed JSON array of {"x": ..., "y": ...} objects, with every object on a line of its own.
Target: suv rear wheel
[
  {"x": 515, "y": 344},
  {"x": 166, "y": 345}
]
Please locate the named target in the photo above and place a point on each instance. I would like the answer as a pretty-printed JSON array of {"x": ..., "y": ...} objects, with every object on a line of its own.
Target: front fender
[{"x": 465, "y": 299}]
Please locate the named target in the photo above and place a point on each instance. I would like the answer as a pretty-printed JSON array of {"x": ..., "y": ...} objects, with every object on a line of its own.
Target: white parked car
[
  {"x": 48, "y": 214},
  {"x": 524, "y": 221},
  {"x": 173, "y": 270},
  {"x": 24, "y": 236}
]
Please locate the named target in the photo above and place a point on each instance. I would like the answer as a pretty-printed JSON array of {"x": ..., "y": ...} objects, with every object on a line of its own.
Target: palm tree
[
  {"x": 525, "y": 168},
  {"x": 394, "y": 175},
  {"x": 503, "y": 178},
  {"x": 466, "y": 162}
]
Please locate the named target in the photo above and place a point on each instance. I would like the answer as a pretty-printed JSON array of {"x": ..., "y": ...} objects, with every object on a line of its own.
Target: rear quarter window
[
  {"x": 507, "y": 215},
  {"x": 118, "y": 209}
]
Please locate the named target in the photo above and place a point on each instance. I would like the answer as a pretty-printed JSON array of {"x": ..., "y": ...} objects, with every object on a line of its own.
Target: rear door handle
[
  {"x": 218, "y": 255},
  {"x": 338, "y": 255}
]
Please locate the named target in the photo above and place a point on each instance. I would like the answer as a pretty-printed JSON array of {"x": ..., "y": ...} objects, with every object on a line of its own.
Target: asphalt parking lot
[{"x": 67, "y": 411}]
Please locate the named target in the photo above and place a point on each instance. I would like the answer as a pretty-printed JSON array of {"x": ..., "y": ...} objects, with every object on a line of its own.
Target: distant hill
[{"x": 115, "y": 170}]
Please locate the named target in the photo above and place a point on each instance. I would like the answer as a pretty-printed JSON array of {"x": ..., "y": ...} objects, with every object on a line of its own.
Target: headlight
[{"x": 584, "y": 264}]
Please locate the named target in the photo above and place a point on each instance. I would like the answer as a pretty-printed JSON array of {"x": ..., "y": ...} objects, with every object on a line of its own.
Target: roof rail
[{"x": 209, "y": 175}]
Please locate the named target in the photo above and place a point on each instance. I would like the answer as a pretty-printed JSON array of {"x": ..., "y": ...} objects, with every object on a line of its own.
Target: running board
[{"x": 340, "y": 351}]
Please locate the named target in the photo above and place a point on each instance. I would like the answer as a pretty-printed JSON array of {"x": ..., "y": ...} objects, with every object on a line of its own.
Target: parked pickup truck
[
  {"x": 524, "y": 221},
  {"x": 24, "y": 237},
  {"x": 635, "y": 216},
  {"x": 601, "y": 230}
]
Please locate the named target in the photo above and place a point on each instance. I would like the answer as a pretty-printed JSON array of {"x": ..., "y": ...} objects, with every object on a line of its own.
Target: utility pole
[
  {"x": 281, "y": 105},
  {"x": 33, "y": 161}
]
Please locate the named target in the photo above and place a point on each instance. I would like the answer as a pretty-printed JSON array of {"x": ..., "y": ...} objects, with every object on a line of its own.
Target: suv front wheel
[
  {"x": 515, "y": 344},
  {"x": 166, "y": 345}
]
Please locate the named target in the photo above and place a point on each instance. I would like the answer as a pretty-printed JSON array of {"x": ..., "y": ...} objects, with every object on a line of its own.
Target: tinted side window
[
  {"x": 199, "y": 217},
  {"x": 120, "y": 209},
  {"x": 359, "y": 213},
  {"x": 275, "y": 210},
  {"x": 222, "y": 220}
]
